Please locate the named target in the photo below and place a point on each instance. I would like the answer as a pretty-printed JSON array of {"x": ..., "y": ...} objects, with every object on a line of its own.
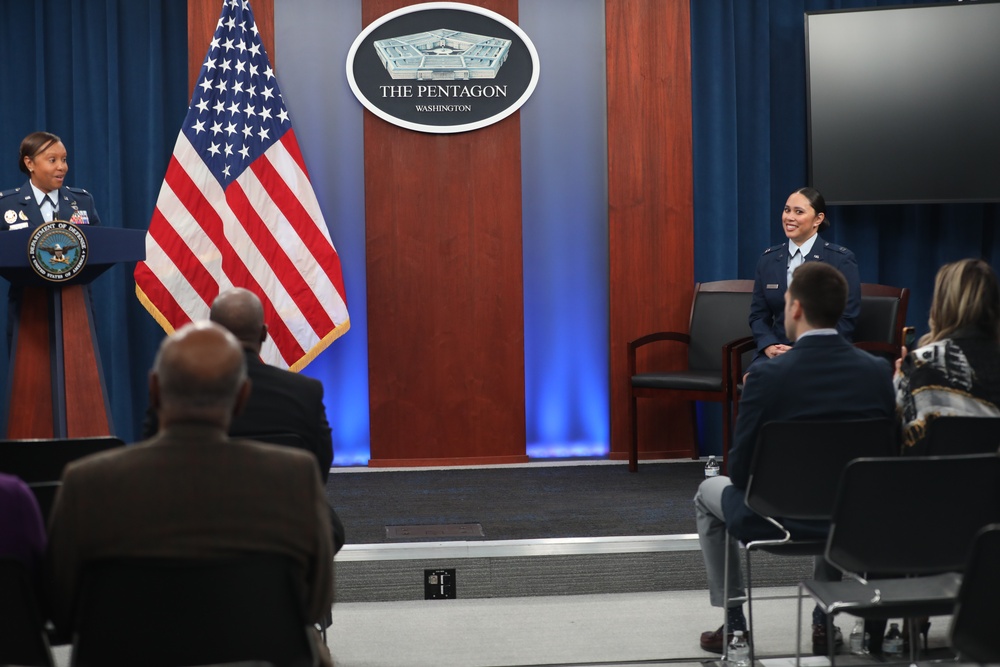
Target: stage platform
[{"x": 537, "y": 529}]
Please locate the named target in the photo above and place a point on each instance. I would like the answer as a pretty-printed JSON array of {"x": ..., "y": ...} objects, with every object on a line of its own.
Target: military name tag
[{"x": 772, "y": 286}]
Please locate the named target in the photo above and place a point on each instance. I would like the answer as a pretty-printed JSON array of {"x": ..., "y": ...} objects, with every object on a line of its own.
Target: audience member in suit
[
  {"x": 955, "y": 371},
  {"x": 191, "y": 491},
  {"x": 280, "y": 401},
  {"x": 22, "y": 531},
  {"x": 803, "y": 217},
  {"x": 822, "y": 377}
]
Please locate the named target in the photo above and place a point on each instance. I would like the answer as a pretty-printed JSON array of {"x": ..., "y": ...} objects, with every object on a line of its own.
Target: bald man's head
[
  {"x": 199, "y": 375},
  {"x": 241, "y": 312}
]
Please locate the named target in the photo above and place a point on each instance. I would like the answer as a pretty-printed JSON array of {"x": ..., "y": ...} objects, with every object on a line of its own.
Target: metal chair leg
[
  {"x": 747, "y": 585},
  {"x": 798, "y": 631},
  {"x": 725, "y": 600},
  {"x": 831, "y": 643}
]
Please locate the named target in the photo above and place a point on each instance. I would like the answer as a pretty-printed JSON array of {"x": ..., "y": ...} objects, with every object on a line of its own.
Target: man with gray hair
[{"x": 190, "y": 491}]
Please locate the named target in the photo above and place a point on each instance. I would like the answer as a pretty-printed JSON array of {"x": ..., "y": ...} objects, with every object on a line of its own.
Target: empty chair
[
  {"x": 23, "y": 640},
  {"x": 719, "y": 312},
  {"x": 879, "y": 327},
  {"x": 43, "y": 460},
  {"x": 973, "y": 626},
  {"x": 170, "y": 612},
  {"x": 962, "y": 435},
  {"x": 912, "y": 520}
]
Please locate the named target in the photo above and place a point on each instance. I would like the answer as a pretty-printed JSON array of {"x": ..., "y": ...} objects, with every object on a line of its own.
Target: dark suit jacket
[
  {"x": 22, "y": 201},
  {"x": 820, "y": 378},
  {"x": 285, "y": 402},
  {"x": 767, "y": 309},
  {"x": 190, "y": 492},
  {"x": 280, "y": 402}
]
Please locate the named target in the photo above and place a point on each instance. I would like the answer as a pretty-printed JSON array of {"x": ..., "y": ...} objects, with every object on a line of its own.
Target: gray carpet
[{"x": 524, "y": 502}]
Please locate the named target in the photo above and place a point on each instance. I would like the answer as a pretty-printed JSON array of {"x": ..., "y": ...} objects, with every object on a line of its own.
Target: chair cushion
[{"x": 685, "y": 380}]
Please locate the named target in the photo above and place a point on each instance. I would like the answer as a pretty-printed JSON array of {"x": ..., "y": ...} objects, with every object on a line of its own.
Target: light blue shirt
[
  {"x": 48, "y": 212},
  {"x": 805, "y": 249}
]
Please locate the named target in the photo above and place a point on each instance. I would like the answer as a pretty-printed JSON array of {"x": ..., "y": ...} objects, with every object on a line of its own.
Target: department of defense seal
[{"x": 57, "y": 250}]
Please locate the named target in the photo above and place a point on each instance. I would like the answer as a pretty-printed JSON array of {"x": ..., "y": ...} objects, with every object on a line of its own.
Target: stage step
[{"x": 540, "y": 567}]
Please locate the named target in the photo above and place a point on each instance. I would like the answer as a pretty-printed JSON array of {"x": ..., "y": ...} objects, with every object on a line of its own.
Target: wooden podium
[{"x": 56, "y": 383}]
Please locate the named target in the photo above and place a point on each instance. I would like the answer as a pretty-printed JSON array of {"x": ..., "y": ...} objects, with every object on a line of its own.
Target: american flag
[{"x": 236, "y": 208}]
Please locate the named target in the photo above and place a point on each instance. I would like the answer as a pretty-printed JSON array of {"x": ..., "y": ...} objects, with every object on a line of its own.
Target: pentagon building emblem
[
  {"x": 442, "y": 67},
  {"x": 443, "y": 55},
  {"x": 57, "y": 251}
]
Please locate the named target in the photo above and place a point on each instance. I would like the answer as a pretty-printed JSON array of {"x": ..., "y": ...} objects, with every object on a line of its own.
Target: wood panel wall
[
  {"x": 445, "y": 302},
  {"x": 651, "y": 207},
  {"x": 445, "y": 288}
]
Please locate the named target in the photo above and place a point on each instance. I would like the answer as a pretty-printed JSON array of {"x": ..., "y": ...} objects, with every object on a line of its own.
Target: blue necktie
[
  {"x": 794, "y": 263},
  {"x": 52, "y": 208}
]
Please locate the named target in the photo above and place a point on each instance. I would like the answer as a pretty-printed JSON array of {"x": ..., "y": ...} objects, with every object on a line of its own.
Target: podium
[{"x": 56, "y": 383}]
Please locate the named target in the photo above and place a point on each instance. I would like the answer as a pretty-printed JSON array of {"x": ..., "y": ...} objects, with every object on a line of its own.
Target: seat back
[
  {"x": 912, "y": 515},
  {"x": 797, "y": 465},
  {"x": 973, "y": 625},
  {"x": 879, "y": 327},
  {"x": 165, "y": 612},
  {"x": 719, "y": 315},
  {"x": 947, "y": 436},
  {"x": 283, "y": 439},
  {"x": 43, "y": 460},
  {"x": 45, "y": 495},
  {"x": 22, "y": 636}
]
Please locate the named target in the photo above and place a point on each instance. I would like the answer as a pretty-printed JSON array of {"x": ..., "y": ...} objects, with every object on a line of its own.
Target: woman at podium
[{"x": 44, "y": 197}]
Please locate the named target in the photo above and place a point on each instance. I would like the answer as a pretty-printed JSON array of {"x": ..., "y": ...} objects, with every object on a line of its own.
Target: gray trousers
[{"x": 714, "y": 541}]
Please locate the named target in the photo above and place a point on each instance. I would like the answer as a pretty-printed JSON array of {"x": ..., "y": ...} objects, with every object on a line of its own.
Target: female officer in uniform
[
  {"x": 804, "y": 216},
  {"x": 44, "y": 197}
]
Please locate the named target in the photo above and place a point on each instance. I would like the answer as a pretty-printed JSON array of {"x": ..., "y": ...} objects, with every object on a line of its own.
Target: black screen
[{"x": 904, "y": 103}]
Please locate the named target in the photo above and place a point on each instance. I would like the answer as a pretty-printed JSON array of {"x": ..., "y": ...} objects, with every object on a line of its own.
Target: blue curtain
[
  {"x": 749, "y": 107},
  {"x": 110, "y": 78}
]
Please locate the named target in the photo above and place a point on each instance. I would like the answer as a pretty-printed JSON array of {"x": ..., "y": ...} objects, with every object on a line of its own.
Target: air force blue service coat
[
  {"x": 767, "y": 309},
  {"x": 18, "y": 206}
]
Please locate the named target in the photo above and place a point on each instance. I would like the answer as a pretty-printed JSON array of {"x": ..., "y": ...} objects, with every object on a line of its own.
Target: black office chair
[
  {"x": 719, "y": 317},
  {"x": 794, "y": 476},
  {"x": 879, "y": 327},
  {"x": 973, "y": 625},
  {"x": 23, "y": 640},
  {"x": 947, "y": 436},
  {"x": 45, "y": 495},
  {"x": 170, "y": 612},
  {"x": 912, "y": 520},
  {"x": 43, "y": 460}
]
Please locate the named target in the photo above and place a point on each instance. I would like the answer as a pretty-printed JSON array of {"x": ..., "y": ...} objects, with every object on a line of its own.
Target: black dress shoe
[
  {"x": 819, "y": 639},
  {"x": 714, "y": 642}
]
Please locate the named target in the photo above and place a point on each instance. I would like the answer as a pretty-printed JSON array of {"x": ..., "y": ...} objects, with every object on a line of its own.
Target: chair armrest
[
  {"x": 890, "y": 350},
  {"x": 633, "y": 345},
  {"x": 733, "y": 356}
]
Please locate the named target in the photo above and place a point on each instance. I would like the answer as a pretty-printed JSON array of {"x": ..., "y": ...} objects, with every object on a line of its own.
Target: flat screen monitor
[{"x": 904, "y": 103}]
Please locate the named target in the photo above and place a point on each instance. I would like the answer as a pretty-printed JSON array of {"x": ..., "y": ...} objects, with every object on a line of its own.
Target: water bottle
[
  {"x": 739, "y": 650},
  {"x": 892, "y": 645},
  {"x": 858, "y": 644},
  {"x": 712, "y": 467}
]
